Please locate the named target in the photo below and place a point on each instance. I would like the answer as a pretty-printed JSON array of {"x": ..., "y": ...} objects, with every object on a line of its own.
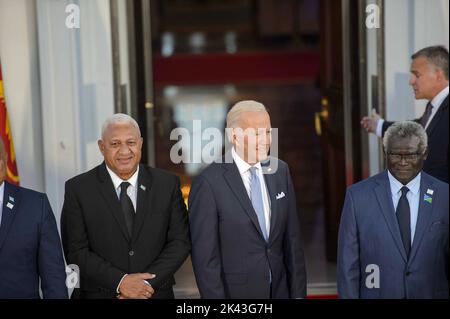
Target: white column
[{"x": 77, "y": 89}]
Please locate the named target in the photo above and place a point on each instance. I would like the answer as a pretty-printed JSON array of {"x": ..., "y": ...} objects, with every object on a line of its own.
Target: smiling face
[
  {"x": 121, "y": 147},
  {"x": 426, "y": 80},
  {"x": 252, "y": 138},
  {"x": 404, "y": 158}
]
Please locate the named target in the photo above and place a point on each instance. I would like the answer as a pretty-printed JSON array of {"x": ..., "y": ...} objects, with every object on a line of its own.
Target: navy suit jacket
[
  {"x": 437, "y": 161},
  {"x": 30, "y": 247},
  {"x": 230, "y": 256},
  {"x": 369, "y": 235}
]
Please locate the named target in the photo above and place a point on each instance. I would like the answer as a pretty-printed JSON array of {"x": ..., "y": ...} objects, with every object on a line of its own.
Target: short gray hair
[
  {"x": 436, "y": 55},
  {"x": 236, "y": 111},
  {"x": 405, "y": 129},
  {"x": 119, "y": 118}
]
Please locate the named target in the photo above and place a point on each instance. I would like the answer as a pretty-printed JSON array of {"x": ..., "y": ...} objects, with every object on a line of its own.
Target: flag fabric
[{"x": 12, "y": 175}]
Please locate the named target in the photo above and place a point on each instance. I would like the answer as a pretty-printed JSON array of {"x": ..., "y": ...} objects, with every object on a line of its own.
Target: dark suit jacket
[
  {"x": 95, "y": 237},
  {"x": 231, "y": 259},
  {"x": 438, "y": 149},
  {"x": 30, "y": 248},
  {"x": 369, "y": 235}
]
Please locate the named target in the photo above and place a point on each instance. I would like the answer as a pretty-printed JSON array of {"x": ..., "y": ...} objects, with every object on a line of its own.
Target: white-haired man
[
  {"x": 124, "y": 224},
  {"x": 244, "y": 224}
]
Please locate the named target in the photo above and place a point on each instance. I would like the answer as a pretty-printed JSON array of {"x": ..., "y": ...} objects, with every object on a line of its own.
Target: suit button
[
  {"x": 131, "y": 253},
  {"x": 408, "y": 273}
]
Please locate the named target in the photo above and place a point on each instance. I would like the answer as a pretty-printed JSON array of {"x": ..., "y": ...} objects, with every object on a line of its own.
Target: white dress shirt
[
  {"x": 131, "y": 190},
  {"x": 413, "y": 197},
  {"x": 436, "y": 102},
  {"x": 244, "y": 170},
  {"x": 2, "y": 193}
]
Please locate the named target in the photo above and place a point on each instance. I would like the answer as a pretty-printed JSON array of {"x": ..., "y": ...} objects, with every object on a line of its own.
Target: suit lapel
[
  {"x": 437, "y": 117},
  {"x": 383, "y": 194},
  {"x": 424, "y": 215},
  {"x": 234, "y": 181},
  {"x": 11, "y": 196},
  {"x": 143, "y": 197},
  {"x": 110, "y": 196}
]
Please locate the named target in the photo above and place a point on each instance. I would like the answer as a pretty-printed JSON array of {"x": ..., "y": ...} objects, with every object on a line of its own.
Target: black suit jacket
[
  {"x": 95, "y": 237},
  {"x": 437, "y": 162}
]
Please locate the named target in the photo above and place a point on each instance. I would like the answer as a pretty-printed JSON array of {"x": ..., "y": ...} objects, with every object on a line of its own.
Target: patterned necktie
[
  {"x": 426, "y": 115},
  {"x": 403, "y": 217},
  {"x": 257, "y": 200},
  {"x": 127, "y": 207}
]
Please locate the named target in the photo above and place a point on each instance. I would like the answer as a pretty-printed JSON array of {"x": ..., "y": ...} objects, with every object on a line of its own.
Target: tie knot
[
  {"x": 429, "y": 107},
  {"x": 124, "y": 186},
  {"x": 253, "y": 170},
  {"x": 404, "y": 190}
]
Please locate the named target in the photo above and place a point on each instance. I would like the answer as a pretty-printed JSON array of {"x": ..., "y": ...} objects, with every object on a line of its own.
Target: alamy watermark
[
  {"x": 198, "y": 145},
  {"x": 73, "y": 17},
  {"x": 72, "y": 276}
]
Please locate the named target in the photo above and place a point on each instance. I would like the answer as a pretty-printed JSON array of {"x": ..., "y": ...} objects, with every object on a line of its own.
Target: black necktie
[
  {"x": 426, "y": 115},
  {"x": 403, "y": 218},
  {"x": 127, "y": 207}
]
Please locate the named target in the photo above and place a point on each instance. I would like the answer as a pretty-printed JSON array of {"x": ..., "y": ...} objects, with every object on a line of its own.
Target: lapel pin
[
  {"x": 143, "y": 187},
  {"x": 269, "y": 169},
  {"x": 11, "y": 199},
  {"x": 10, "y": 206},
  {"x": 427, "y": 198},
  {"x": 430, "y": 191}
]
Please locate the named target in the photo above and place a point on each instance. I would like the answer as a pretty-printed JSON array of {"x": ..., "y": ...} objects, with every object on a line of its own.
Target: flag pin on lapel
[
  {"x": 430, "y": 191},
  {"x": 427, "y": 198},
  {"x": 11, "y": 199},
  {"x": 10, "y": 206},
  {"x": 143, "y": 187}
]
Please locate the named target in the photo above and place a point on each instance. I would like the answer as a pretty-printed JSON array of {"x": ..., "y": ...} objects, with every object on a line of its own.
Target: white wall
[
  {"x": 77, "y": 89},
  {"x": 19, "y": 59},
  {"x": 58, "y": 88}
]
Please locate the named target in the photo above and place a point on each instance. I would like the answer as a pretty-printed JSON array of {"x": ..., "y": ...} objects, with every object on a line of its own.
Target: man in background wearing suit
[
  {"x": 30, "y": 248},
  {"x": 124, "y": 224},
  {"x": 429, "y": 79},
  {"x": 393, "y": 236},
  {"x": 244, "y": 224}
]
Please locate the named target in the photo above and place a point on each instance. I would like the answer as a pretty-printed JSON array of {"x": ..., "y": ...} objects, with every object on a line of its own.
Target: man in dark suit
[
  {"x": 124, "y": 224},
  {"x": 243, "y": 218},
  {"x": 429, "y": 79},
  {"x": 393, "y": 236},
  {"x": 30, "y": 248}
]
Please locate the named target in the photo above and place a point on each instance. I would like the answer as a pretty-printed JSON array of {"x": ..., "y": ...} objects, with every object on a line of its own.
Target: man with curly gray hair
[{"x": 393, "y": 236}]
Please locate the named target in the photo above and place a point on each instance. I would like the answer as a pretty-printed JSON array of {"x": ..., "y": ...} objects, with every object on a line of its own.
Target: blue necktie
[{"x": 257, "y": 200}]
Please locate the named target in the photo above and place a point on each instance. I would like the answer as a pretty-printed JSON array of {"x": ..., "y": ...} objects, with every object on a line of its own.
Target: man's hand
[
  {"x": 134, "y": 286},
  {"x": 370, "y": 123}
]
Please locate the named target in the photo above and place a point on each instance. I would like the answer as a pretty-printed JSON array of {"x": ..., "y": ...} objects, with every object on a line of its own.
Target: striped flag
[{"x": 12, "y": 175}]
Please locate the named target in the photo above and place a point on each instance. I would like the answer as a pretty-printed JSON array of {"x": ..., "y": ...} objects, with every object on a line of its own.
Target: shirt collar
[
  {"x": 2, "y": 191},
  {"x": 117, "y": 180},
  {"x": 438, "y": 99},
  {"x": 242, "y": 165},
  {"x": 413, "y": 185}
]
